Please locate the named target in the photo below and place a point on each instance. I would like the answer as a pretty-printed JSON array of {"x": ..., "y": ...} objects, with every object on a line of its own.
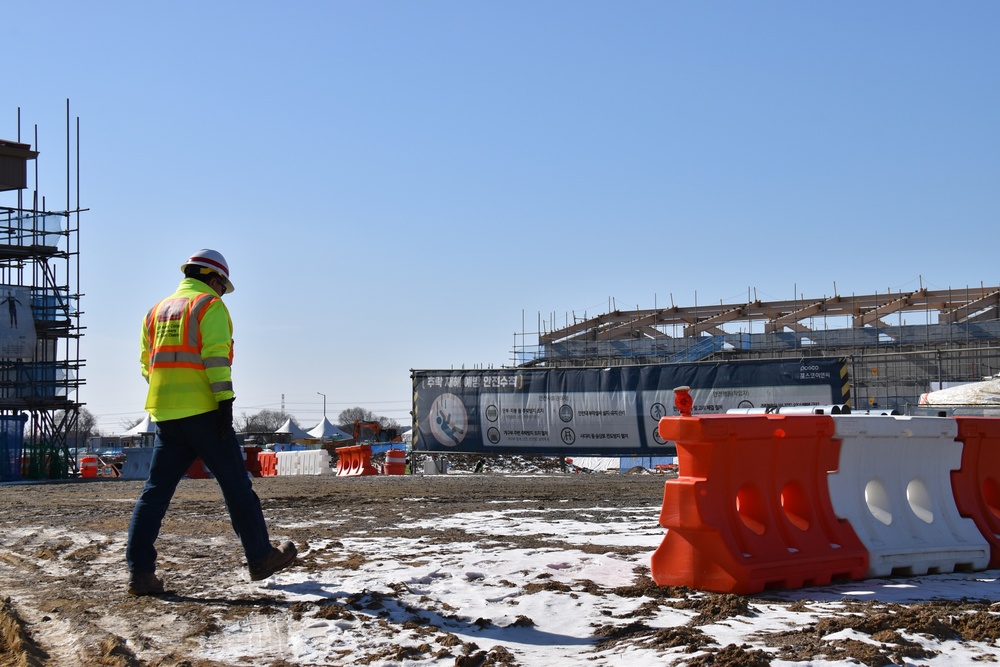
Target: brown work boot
[
  {"x": 279, "y": 558},
  {"x": 144, "y": 583}
]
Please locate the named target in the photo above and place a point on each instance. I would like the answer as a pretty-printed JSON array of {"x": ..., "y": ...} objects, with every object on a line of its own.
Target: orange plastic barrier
[
  {"x": 197, "y": 470},
  {"x": 268, "y": 464},
  {"x": 88, "y": 466},
  {"x": 751, "y": 508},
  {"x": 251, "y": 461},
  {"x": 395, "y": 462},
  {"x": 356, "y": 460},
  {"x": 976, "y": 484}
]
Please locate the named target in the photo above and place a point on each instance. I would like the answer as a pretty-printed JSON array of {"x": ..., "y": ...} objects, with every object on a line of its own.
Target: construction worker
[{"x": 186, "y": 355}]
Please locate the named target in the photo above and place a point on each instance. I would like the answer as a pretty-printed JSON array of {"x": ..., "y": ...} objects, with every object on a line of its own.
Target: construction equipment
[{"x": 373, "y": 432}]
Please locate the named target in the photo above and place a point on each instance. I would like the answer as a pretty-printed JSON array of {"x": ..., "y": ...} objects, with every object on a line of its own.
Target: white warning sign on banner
[{"x": 583, "y": 419}]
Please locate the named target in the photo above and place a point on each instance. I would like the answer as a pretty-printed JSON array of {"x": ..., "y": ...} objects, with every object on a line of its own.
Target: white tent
[
  {"x": 327, "y": 431},
  {"x": 147, "y": 425},
  {"x": 293, "y": 429}
]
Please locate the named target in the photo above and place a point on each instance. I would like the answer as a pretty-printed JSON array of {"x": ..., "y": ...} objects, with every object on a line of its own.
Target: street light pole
[{"x": 324, "y": 404}]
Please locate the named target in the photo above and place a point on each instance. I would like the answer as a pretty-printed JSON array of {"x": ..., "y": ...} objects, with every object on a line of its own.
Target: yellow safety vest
[{"x": 187, "y": 353}]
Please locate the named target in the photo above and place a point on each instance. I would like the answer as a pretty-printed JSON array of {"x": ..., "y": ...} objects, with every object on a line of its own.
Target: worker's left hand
[{"x": 226, "y": 418}]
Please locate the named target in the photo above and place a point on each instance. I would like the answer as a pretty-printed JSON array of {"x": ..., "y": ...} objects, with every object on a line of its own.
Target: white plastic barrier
[
  {"x": 307, "y": 462},
  {"x": 435, "y": 466},
  {"x": 316, "y": 462},
  {"x": 894, "y": 487},
  {"x": 137, "y": 461},
  {"x": 288, "y": 463}
]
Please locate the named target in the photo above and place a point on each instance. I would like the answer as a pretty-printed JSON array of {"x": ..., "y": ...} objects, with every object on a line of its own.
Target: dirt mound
[{"x": 17, "y": 648}]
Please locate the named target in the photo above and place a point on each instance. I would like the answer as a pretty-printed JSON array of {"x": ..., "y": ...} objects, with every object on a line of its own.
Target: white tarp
[
  {"x": 986, "y": 392},
  {"x": 598, "y": 463}
]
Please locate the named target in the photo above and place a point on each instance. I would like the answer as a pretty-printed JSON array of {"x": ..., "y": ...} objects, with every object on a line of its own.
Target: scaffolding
[
  {"x": 39, "y": 277},
  {"x": 891, "y": 362}
]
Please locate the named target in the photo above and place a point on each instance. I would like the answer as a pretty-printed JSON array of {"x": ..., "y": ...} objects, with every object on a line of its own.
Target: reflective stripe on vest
[{"x": 180, "y": 313}]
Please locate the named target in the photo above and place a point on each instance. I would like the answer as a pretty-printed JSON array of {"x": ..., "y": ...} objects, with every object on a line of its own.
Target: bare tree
[
  {"x": 86, "y": 424},
  {"x": 346, "y": 419},
  {"x": 129, "y": 424},
  {"x": 83, "y": 428},
  {"x": 265, "y": 421}
]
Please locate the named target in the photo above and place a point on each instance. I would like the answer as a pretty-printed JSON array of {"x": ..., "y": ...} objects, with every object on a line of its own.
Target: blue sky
[{"x": 400, "y": 185}]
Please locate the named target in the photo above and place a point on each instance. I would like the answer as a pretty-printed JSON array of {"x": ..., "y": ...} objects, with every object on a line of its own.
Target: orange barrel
[
  {"x": 88, "y": 466},
  {"x": 395, "y": 462}
]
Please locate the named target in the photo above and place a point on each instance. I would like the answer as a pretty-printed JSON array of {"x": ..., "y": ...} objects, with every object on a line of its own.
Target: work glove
[{"x": 225, "y": 418}]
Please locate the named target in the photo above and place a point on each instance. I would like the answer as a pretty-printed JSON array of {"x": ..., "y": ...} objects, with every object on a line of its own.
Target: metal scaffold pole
[{"x": 40, "y": 328}]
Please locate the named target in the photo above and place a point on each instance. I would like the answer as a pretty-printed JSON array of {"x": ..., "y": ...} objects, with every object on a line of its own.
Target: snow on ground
[
  {"x": 465, "y": 590},
  {"x": 470, "y": 571}
]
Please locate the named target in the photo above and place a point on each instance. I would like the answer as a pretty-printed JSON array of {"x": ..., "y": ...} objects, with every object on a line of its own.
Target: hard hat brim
[{"x": 230, "y": 287}]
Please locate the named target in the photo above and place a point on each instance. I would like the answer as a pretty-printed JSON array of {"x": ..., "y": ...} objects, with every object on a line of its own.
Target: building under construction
[
  {"x": 40, "y": 319},
  {"x": 897, "y": 345}
]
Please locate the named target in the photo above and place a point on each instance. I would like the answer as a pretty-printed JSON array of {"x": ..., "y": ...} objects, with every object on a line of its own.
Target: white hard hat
[{"x": 214, "y": 260}]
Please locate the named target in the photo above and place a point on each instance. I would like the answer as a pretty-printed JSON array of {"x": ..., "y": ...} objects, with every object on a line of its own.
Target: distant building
[{"x": 898, "y": 345}]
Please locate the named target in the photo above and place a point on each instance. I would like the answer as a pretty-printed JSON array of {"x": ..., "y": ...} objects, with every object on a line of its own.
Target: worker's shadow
[
  {"x": 379, "y": 604},
  {"x": 382, "y": 605},
  {"x": 258, "y": 601}
]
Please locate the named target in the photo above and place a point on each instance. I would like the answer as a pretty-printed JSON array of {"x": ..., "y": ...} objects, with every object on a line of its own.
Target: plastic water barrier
[
  {"x": 355, "y": 460},
  {"x": 258, "y": 463},
  {"x": 976, "y": 484},
  {"x": 894, "y": 486},
  {"x": 198, "y": 470},
  {"x": 137, "y": 461},
  {"x": 785, "y": 501},
  {"x": 750, "y": 509},
  {"x": 307, "y": 462},
  {"x": 251, "y": 460},
  {"x": 268, "y": 464}
]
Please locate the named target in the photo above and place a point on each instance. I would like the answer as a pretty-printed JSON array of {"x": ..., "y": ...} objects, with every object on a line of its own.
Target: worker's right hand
[{"x": 225, "y": 418}]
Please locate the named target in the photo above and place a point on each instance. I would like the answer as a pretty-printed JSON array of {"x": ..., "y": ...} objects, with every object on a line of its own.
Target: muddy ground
[{"x": 62, "y": 575}]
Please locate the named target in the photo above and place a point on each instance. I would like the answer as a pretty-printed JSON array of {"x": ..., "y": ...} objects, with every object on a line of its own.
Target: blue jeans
[{"x": 181, "y": 442}]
